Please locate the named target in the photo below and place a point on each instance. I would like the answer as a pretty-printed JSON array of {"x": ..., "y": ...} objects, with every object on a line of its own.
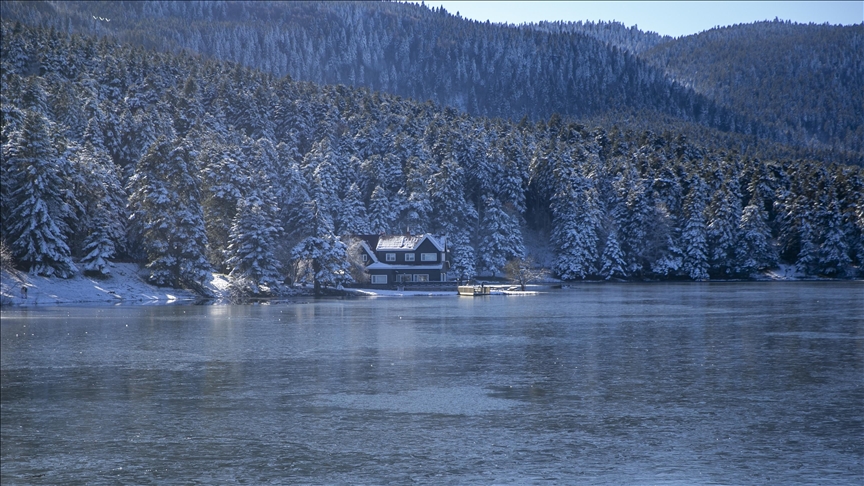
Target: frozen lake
[{"x": 716, "y": 383}]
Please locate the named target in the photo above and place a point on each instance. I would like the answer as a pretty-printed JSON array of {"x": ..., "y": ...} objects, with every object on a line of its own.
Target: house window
[
  {"x": 379, "y": 279},
  {"x": 443, "y": 277},
  {"x": 403, "y": 277},
  {"x": 423, "y": 277},
  {"x": 429, "y": 257},
  {"x": 391, "y": 257},
  {"x": 365, "y": 257},
  {"x": 409, "y": 257}
]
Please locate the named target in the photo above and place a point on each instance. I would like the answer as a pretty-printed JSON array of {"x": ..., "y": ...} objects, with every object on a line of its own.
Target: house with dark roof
[{"x": 399, "y": 259}]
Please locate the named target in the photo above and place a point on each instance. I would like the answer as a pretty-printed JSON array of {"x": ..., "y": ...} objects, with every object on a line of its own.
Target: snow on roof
[
  {"x": 369, "y": 250},
  {"x": 407, "y": 242},
  {"x": 399, "y": 242}
]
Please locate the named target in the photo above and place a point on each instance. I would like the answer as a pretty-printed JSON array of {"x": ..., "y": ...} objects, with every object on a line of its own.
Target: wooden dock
[{"x": 474, "y": 290}]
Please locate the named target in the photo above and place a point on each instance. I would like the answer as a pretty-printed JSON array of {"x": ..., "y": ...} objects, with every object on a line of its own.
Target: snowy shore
[
  {"x": 124, "y": 286},
  {"x": 127, "y": 286}
]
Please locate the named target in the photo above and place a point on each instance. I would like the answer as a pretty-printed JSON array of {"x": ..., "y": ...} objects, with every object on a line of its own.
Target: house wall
[{"x": 393, "y": 275}]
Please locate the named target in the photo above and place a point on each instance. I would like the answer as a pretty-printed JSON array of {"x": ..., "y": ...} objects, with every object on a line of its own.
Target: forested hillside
[
  {"x": 613, "y": 33},
  {"x": 805, "y": 81},
  {"x": 405, "y": 49},
  {"x": 188, "y": 164}
]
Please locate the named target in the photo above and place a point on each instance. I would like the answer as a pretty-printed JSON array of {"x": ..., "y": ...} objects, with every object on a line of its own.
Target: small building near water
[{"x": 399, "y": 259}]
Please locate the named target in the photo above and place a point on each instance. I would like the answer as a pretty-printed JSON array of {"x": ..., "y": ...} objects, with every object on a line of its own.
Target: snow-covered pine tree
[
  {"x": 292, "y": 196},
  {"x": 166, "y": 215},
  {"x": 454, "y": 216},
  {"x": 754, "y": 250},
  {"x": 612, "y": 262},
  {"x": 500, "y": 238},
  {"x": 666, "y": 223},
  {"x": 418, "y": 206},
  {"x": 98, "y": 247},
  {"x": 832, "y": 256},
  {"x": 102, "y": 222},
  {"x": 635, "y": 221},
  {"x": 462, "y": 258},
  {"x": 37, "y": 202},
  {"x": 34, "y": 97},
  {"x": 807, "y": 260},
  {"x": 226, "y": 178},
  {"x": 576, "y": 218},
  {"x": 321, "y": 167},
  {"x": 513, "y": 176},
  {"x": 850, "y": 194},
  {"x": 382, "y": 217},
  {"x": 724, "y": 215},
  {"x": 694, "y": 244},
  {"x": 351, "y": 218},
  {"x": 321, "y": 257},
  {"x": 574, "y": 233},
  {"x": 93, "y": 132},
  {"x": 250, "y": 253}
]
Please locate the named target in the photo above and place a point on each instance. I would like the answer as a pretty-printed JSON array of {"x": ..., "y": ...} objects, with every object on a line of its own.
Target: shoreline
[{"x": 126, "y": 286}]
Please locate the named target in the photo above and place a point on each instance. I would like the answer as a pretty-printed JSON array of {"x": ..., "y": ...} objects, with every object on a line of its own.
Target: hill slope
[
  {"x": 405, "y": 49},
  {"x": 805, "y": 81},
  {"x": 187, "y": 164}
]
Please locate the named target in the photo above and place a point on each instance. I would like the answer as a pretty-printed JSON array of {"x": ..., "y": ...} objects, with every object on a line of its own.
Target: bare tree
[
  {"x": 524, "y": 271},
  {"x": 356, "y": 265}
]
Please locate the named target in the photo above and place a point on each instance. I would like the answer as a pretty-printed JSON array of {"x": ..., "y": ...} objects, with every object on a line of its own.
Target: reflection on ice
[{"x": 462, "y": 400}]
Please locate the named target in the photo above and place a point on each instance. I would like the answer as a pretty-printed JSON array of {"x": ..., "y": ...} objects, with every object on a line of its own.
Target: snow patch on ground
[
  {"x": 124, "y": 285},
  {"x": 782, "y": 272},
  {"x": 398, "y": 293},
  {"x": 218, "y": 284},
  {"x": 427, "y": 293}
]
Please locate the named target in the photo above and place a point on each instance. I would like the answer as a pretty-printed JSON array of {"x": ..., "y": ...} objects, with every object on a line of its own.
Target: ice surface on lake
[{"x": 462, "y": 400}]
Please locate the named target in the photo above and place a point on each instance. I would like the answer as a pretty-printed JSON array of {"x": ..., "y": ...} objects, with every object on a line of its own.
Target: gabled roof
[
  {"x": 369, "y": 251},
  {"x": 389, "y": 242},
  {"x": 408, "y": 242}
]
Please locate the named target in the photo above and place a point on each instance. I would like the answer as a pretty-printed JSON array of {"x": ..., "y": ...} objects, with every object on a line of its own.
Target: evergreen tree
[
  {"x": 832, "y": 256},
  {"x": 166, "y": 215},
  {"x": 754, "y": 250},
  {"x": 724, "y": 216},
  {"x": 694, "y": 242},
  {"x": 500, "y": 239},
  {"x": 807, "y": 260},
  {"x": 454, "y": 216},
  {"x": 226, "y": 179},
  {"x": 382, "y": 217},
  {"x": 102, "y": 222},
  {"x": 636, "y": 221},
  {"x": 322, "y": 257},
  {"x": 612, "y": 262},
  {"x": 250, "y": 253},
  {"x": 36, "y": 206},
  {"x": 576, "y": 218},
  {"x": 351, "y": 218}
]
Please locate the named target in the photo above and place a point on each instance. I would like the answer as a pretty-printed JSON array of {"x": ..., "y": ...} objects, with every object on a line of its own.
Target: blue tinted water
[{"x": 721, "y": 383}]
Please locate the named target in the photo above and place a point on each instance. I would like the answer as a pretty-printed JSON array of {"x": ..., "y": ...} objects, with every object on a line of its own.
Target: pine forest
[{"x": 255, "y": 139}]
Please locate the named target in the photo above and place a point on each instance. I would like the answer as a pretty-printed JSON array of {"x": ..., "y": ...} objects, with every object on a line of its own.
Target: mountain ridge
[{"x": 410, "y": 50}]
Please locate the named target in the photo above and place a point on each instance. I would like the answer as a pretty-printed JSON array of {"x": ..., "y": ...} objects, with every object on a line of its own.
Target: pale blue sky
[{"x": 668, "y": 18}]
